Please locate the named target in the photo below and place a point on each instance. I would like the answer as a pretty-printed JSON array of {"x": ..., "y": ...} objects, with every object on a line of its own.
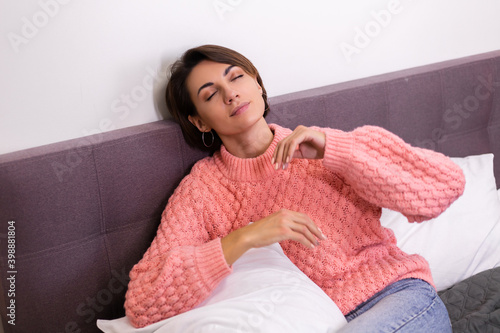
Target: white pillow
[
  {"x": 463, "y": 240},
  {"x": 265, "y": 292}
]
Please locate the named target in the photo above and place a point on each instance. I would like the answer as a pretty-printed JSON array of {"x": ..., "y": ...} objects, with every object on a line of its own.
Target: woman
[{"x": 317, "y": 191}]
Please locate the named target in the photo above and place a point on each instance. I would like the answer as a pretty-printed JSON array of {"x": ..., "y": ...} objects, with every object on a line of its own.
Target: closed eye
[
  {"x": 210, "y": 97},
  {"x": 234, "y": 79}
]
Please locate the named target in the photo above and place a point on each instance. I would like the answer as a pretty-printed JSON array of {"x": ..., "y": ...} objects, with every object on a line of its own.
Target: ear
[
  {"x": 258, "y": 85},
  {"x": 200, "y": 124}
]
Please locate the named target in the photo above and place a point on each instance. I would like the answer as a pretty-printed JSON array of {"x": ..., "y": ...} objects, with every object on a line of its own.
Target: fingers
[
  {"x": 301, "y": 228},
  {"x": 286, "y": 148},
  {"x": 303, "y": 142},
  {"x": 302, "y": 235},
  {"x": 282, "y": 225}
]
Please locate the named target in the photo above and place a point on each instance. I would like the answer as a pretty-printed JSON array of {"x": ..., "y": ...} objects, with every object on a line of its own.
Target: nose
[{"x": 229, "y": 95}]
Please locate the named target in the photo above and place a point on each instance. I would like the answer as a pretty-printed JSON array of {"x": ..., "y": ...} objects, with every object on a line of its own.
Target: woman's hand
[
  {"x": 282, "y": 225},
  {"x": 303, "y": 142}
]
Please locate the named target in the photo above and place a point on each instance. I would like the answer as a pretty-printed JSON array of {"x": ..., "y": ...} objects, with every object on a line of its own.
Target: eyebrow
[{"x": 208, "y": 84}]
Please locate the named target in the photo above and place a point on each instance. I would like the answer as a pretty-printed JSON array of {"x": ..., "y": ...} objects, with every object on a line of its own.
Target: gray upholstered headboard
[{"x": 85, "y": 210}]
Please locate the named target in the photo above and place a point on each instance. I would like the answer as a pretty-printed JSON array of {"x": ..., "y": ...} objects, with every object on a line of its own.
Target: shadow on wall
[{"x": 159, "y": 89}]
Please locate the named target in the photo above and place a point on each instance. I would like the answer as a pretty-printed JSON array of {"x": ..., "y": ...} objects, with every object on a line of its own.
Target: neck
[{"x": 251, "y": 143}]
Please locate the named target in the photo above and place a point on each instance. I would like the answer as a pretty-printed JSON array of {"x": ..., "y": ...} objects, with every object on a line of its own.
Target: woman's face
[{"x": 227, "y": 99}]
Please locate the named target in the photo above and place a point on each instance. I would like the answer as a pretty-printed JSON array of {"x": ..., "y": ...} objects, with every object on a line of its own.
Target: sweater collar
[{"x": 250, "y": 169}]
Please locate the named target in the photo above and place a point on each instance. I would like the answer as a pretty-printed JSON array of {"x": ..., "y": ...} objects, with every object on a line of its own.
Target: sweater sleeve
[
  {"x": 388, "y": 172},
  {"x": 181, "y": 267}
]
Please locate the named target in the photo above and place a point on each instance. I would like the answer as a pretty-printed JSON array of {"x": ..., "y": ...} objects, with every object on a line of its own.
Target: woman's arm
[
  {"x": 390, "y": 173},
  {"x": 382, "y": 168},
  {"x": 279, "y": 226},
  {"x": 182, "y": 265}
]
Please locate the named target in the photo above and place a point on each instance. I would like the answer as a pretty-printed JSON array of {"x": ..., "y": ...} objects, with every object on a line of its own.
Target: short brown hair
[{"x": 178, "y": 100}]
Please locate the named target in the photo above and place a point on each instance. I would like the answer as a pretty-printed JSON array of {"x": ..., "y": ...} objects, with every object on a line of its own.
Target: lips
[{"x": 240, "y": 109}]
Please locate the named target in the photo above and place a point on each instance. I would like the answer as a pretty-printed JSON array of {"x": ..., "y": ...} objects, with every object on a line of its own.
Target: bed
[{"x": 75, "y": 216}]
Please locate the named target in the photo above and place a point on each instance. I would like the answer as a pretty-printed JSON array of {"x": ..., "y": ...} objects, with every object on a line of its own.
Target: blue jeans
[{"x": 409, "y": 305}]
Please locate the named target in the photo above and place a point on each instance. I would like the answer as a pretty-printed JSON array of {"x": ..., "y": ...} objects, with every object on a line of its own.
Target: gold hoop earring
[{"x": 203, "y": 139}]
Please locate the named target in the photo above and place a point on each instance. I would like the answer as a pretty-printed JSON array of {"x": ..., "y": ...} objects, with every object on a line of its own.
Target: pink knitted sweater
[{"x": 361, "y": 171}]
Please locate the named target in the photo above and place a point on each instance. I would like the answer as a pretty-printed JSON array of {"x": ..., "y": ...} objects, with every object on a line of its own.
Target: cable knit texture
[{"x": 361, "y": 171}]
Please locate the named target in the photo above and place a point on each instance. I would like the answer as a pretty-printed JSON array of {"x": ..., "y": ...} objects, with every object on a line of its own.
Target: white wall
[{"x": 70, "y": 68}]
